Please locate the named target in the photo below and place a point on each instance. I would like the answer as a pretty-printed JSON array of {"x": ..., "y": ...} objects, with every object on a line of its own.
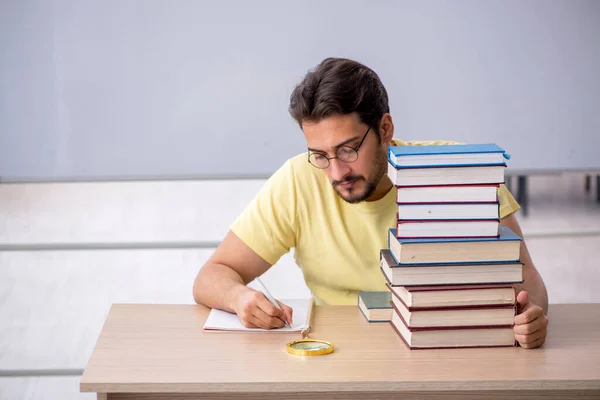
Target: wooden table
[{"x": 161, "y": 352}]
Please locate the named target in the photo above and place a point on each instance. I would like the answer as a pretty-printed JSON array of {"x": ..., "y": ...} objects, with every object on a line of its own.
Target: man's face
[{"x": 356, "y": 181}]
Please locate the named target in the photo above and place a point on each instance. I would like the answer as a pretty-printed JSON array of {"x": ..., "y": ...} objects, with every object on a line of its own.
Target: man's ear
[{"x": 386, "y": 129}]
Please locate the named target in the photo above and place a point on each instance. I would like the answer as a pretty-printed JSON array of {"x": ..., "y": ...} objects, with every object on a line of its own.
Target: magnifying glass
[{"x": 309, "y": 347}]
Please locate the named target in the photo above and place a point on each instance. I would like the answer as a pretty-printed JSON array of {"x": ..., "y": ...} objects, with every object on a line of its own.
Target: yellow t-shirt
[{"x": 336, "y": 244}]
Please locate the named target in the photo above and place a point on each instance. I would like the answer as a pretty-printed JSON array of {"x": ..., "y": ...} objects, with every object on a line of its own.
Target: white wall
[{"x": 120, "y": 88}]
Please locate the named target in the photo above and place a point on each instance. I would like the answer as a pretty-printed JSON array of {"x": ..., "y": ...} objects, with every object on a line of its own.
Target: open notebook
[{"x": 219, "y": 320}]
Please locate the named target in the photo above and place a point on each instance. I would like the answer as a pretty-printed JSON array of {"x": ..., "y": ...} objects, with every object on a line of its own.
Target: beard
[{"x": 366, "y": 186}]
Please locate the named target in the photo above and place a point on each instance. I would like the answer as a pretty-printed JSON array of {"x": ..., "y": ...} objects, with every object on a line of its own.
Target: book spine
[
  {"x": 452, "y": 185},
  {"x": 448, "y": 308},
  {"x": 446, "y": 328},
  {"x": 432, "y": 166},
  {"x": 444, "y": 347},
  {"x": 443, "y": 203}
]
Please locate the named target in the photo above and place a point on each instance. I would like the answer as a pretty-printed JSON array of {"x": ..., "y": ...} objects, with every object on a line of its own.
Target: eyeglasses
[{"x": 346, "y": 154}]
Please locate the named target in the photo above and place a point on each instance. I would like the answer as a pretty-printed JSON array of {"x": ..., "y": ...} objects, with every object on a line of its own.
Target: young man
[{"x": 334, "y": 206}]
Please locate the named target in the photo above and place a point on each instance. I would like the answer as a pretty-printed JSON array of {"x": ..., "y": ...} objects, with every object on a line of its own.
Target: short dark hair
[{"x": 339, "y": 86}]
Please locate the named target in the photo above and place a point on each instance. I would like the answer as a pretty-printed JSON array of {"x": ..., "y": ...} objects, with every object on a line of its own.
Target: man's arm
[
  {"x": 532, "y": 281},
  {"x": 221, "y": 284},
  {"x": 530, "y": 323}
]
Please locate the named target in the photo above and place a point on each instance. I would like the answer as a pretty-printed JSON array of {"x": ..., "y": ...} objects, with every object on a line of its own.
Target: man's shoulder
[
  {"x": 299, "y": 167},
  {"x": 294, "y": 183},
  {"x": 296, "y": 171},
  {"x": 299, "y": 160}
]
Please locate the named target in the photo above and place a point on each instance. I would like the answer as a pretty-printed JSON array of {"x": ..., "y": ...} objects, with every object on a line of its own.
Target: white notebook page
[{"x": 224, "y": 321}]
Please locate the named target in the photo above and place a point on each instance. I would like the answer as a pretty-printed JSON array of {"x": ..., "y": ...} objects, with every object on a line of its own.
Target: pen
[{"x": 271, "y": 299}]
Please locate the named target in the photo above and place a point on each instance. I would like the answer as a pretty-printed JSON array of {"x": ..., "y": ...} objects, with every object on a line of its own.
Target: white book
[
  {"x": 453, "y": 211},
  {"x": 447, "y": 228},
  {"x": 447, "y": 194},
  {"x": 447, "y": 154},
  {"x": 446, "y": 175}
]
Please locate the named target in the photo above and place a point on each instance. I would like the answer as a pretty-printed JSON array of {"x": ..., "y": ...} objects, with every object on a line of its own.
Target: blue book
[
  {"x": 448, "y": 274},
  {"x": 505, "y": 247},
  {"x": 375, "y": 306},
  {"x": 487, "y": 154}
]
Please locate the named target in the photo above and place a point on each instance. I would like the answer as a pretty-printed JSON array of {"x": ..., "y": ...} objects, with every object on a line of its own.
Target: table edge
[{"x": 339, "y": 386}]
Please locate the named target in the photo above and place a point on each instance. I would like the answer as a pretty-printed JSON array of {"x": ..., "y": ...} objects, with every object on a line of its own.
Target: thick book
[
  {"x": 446, "y": 155},
  {"x": 453, "y": 337},
  {"x": 454, "y": 296},
  {"x": 375, "y": 306},
  {"x": 447, "y": 228},
  {"x": 504, "y": 247},
  {"x": 455, "y": 317},
  {"x": 448, "y": 211},
  {"x": 447, "y": 194},
  {"x": 448, "y": 273},
  {"x": 432, "y": 176}
]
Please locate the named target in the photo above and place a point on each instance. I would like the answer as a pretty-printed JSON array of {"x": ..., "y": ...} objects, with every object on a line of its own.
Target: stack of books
[{"x": 450, "y": 266}]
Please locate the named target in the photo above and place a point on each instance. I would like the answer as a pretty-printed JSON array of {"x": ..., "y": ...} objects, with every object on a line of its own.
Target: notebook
[{"x": 219, "y": 320}]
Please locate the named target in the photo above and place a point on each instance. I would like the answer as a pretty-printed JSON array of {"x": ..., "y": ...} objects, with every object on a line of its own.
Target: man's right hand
[{"x": 256, "y": 311}]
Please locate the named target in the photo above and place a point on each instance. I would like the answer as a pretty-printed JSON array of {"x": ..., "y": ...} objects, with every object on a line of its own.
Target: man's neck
[{"x": 383, "y": 187}]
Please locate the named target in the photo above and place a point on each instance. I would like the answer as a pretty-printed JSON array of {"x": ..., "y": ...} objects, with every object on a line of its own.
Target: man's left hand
[{"x": 530, "y": 323}]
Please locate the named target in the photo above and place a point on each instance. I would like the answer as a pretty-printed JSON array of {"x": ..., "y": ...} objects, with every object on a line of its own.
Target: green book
[{"x": 375, "y": 306}]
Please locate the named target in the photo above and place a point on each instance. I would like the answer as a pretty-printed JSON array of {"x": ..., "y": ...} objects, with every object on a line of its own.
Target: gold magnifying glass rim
[{"x": 304, "y": 352}]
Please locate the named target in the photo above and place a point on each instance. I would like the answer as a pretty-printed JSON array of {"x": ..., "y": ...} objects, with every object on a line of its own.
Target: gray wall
[{"x": 124, "y": 88}]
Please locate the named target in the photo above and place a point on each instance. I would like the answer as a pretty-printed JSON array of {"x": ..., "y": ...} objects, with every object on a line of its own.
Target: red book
[
  {"x": 447, "y": 228},
  {"x": 442, "y": 317},
  {"x": 452, "y": 336},
  {"x": 454, "y": 296}
]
